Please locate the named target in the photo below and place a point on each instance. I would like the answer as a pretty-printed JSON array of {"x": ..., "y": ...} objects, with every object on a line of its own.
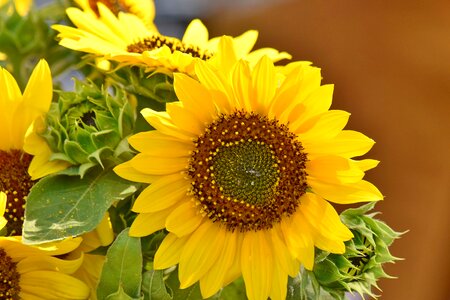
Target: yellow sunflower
[
  {"x": 143, "y": 9},
  {"x": 17, "y": 112},
  {"x": 22, "y": 6},
  {"x": 125, "y": 38},
  {"x": 34, "y": 272},
  {"x": 240, "y": 169}
]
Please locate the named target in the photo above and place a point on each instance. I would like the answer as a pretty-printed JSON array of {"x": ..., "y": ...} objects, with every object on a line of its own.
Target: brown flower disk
[
  {"x": 16, "y": 184},
  {"x": 247, "y": 172}
]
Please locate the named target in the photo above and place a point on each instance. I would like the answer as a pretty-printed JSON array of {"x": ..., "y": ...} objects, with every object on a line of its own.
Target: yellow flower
[
  {"x": 34, "y": 272},
  {"x": 143, "y": 9},
  {"x": 125, "y": 38},
  {"x": 22, "y": 6},
  {"x": 3, "y": 221},
  {"x": 17, "y": 112},
  {"x": 240, "y": 169}
]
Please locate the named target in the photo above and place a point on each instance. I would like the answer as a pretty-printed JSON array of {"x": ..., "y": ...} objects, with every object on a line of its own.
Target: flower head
[
  {"x": 34, "y": 272},
  {"x": 143, "y": 9},
  {"x": 17, "y": 113},
  {"x": 126, "y": 39},
  {"x": 85, "y": 128},
  {"x": 240, "y": 169}
]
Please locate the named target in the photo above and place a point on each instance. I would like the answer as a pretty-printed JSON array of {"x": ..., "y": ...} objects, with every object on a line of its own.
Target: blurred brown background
[{"x": 390, "y": 63}]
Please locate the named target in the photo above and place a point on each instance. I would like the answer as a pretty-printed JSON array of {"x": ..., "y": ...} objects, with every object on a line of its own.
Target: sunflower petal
[
  {"x": 257, "y": 264},
  {"x": 198, "y": 256}
]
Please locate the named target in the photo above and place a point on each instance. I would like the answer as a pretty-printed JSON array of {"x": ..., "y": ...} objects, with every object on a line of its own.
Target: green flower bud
[
  {"x": 360, "y": 267},
  {"x": 90, "y": 126}
]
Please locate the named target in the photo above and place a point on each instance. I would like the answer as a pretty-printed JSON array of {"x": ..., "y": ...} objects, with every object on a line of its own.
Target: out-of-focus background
[{"x": 390, "y": 63}]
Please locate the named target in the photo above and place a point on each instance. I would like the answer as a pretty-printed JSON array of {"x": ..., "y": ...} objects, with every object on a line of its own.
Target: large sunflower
[
  {"x": 143, "y": 9},
  {"x": 125, "y": 38},
  {"x": 240, "y": 169},
  {"x": 17, "y": 112}
]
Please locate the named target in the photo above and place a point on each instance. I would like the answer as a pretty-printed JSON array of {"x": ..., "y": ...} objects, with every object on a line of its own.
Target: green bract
[
  {"x": 362, "y": 264},
  {"x": 90, "y": 126}
]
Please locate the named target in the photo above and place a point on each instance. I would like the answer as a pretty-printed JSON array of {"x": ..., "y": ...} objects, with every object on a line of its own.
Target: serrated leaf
[
  {"x": 153, "y": 286},
  {"x": 122, "y": 269},
  {"x": 60, "y": 206}
]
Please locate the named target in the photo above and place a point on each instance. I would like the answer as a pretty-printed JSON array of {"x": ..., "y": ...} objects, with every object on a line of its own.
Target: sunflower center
[
  {"x": 9, "y": 278},
  {"x": 16, "y": 184},
  {"x": 115, "y": 6},
  {"x": 247, "y": 171},
  {"x": 157, "y": 41}
]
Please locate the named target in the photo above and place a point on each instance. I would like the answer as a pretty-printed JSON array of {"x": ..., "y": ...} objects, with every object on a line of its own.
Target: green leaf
[
  {"x": 122, "y": 269},
  {"x": 235, "y": 290},
  {"x": 61, "y": 206},
  {"x": 190, "y": 293},
  {"x": 153, "y": 286},
  {"x": 121, "y": 295}
]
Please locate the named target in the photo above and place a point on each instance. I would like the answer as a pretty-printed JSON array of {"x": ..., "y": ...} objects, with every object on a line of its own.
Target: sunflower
[
  {"x": 240, "y": 169},
  {"x": 34, "y": 272},
  {"x": 22, "y": 6},
  {"x": 143, "y": 9},
  {"x": 17, "y": 112},
  {"x": 125, "y": 38}
]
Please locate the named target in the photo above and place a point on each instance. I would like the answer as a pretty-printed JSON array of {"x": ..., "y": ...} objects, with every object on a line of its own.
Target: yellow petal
[
  {"x": 196, "y": 34},
  {"x": 242, "y": 86},
  {"x": 264, "y": 84},
  {"x": 146, "y": 224},
  {"x": 157, "y": 144},
  {"x": 43, "y": 262},
  {"x": 155, "y": 165},
  {"x": 347, "y": 144},
  {"x": 322, "y": 216},
  {"x": 212, "y": 79},
  {"x": 214, "y": 279},
  {"x": 279, "y": 283},
  {"x": 184, "y": 219},
  {"x": 53, "y": 285},
  {"x": 183, "y": 118},
  {"x": 39, "y": 90},
  {"x": 362, "y": 191},
  {"x": 161, "y": 122},
  {"x": 327, "y": 126},
  {"x": 162, "y": 193},
  {"x": 257, "y": 265},
  {"x": 283, "y": 257},
  {"x": 169, "y": 252},
  {"x": 244, "y": 43},
  {"x": 194, "y": 97},
  {"x": 200, "y": 253},
  {"x": 298, "y": 237},
  {"x": 126, "y": 170},
  {"x": 333, "y": 169}
]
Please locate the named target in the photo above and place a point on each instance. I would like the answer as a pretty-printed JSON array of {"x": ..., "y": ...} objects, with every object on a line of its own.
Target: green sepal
[
  {"x": 361, "y": 266},
  {"x": 90, "y": 127},
  {"x": 61, "y": 205}
]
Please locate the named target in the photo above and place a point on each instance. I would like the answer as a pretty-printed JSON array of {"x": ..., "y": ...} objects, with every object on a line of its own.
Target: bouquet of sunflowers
[{"x": 190, "y": 168}]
